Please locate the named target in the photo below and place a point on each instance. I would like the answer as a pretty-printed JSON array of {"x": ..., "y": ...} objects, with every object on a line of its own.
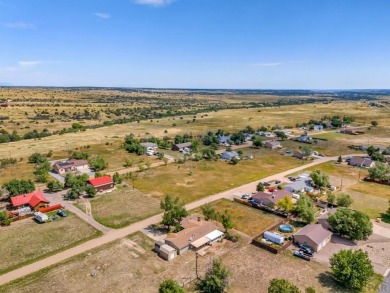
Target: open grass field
[
  {"x": 26, "y": 241},
  {"x": 123, "y": 207},
  {"x": 246, "y": 219},
  {"x": 194, "y": 180},
  {"x": 284, "y": 116},
  {"x": 370, "y": 198},
  {"x": 20, "y": 170},
  {"x": 129, "y": 265}
]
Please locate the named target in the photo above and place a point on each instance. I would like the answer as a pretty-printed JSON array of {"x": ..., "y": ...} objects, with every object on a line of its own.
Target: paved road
[{"x": 112, "y": 235}]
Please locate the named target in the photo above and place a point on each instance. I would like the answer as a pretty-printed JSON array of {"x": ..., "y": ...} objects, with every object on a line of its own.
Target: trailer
[
  {"x": 41, "y": 217},
  {"x": 274, "y": 237}
]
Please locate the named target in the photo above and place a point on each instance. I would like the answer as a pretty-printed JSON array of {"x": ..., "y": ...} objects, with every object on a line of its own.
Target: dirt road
[{"x": 120, "y": 233}]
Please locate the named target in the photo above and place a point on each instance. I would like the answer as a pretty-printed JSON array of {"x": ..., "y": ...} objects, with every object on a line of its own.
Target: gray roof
[
  {"x": 363, "y": 162},
  {"x": 315, "y": 232},
  {"x": 149, "y": 144},
  {"x": 184, "y": 145},
  {"x": 300, "y": 184},
  {"x": 326, "y": 214},
  {"x": 231, "y": 154}
]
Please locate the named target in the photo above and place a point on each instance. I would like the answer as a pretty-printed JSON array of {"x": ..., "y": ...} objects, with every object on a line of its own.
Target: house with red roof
[
  {"x": 101, "y": 183},
  {"x": 35, "y": 200}
]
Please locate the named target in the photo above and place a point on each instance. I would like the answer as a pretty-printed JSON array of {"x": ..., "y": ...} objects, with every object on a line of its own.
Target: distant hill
[{"x": 5, "y": 83}]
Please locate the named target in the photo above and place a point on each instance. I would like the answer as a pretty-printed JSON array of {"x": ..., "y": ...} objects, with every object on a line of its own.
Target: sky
[{"x": 241, "y": 44}]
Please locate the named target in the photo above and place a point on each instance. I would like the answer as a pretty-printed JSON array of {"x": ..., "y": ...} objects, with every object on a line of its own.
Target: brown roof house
[
  {"x": 270, "y": 199},
  {"x": 180, "y": 147},
  {"x": 323, "y": 219},
  {"x": 196, "y": 234},
  {"x": 361, "y": 162},
  {"x": 273, "y": 145},
  {"x": 71, "y": 166},
  {"x": 313, "y": 235}
]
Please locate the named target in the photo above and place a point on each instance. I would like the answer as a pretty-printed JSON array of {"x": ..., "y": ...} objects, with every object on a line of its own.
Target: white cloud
[
  {"x": 154, "y": 2},
  {"x": 269, "y": 64},
  {"x": 20, "y": 25},
  {"x": 103, "y": 15},
  {"x": 29, "y": 63}
]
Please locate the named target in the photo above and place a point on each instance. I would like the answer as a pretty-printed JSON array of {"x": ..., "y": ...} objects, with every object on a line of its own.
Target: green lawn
[
  {"x": 246, "y": 219},
  {"x": 123, "y": 207},
  {"x": 194, "y": 180},
  {"x": 26, "y": 241}
]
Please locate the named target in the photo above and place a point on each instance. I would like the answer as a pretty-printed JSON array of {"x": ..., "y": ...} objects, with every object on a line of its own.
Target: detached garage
[
  {"x": 314, "y": 236},
  {"x": 101, "y": 183}
]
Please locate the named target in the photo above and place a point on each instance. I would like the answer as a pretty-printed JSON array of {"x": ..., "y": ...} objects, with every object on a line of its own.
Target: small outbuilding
[
  {"x": 165, "y": 251},
  {"x": 101, "y": 183},
  {"x": 180, "y": 147},
  {"x": 229, "y": 155},
  {"x": 313, "y": 235}
]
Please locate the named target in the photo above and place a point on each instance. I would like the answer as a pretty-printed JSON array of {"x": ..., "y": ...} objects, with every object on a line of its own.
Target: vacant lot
[
  {"x": 129, "y": 265},
  {"x": 370, "y": 198},
  {"x": 20, "y": 170},
  {"x": 123, "y": 207},
  {"x": 246, "y": 219},
  {"x": 194, "y": 180},
  {"x": 26, "y": 241}
]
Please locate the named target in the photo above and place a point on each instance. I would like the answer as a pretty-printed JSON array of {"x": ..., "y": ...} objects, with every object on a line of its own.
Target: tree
[
  {"x": 170, "y": 286},
  {"x": 352, "y": 268},
  {"x": 98, "y": 163},
  {"x": 209, "y": 212},
  {"x": 374, "y": 123},
  {"x": 281, "y": 135},
  {"x": 304, "y": 209},
  {"x": 17, "y": 187},
  {"x": 36, "y": 158},
  {"x": 379, "y": 172},
  {"x": 285, "y": 203},
  {"x": 306, "y": 151},
  {"x": 174, "y": 211},
  {"x": 257, "y": 142},
  {"x": 234, "y": 161},
  {"x": 355, "y": 225},
  {"x": 216, "y": 279},
  {"x": 4, "y": 219},
  {"x": 90, "y": 191},
  {"x": 55, "y": 186},
  {"x": 339, "y": 160},
  {"x": 260, "y": 187},
  {"x": 227, "y": 221},
  {"x": 331, "y": 198},
  {"x": 388, "y": 210},
  {"x": 117, "y": 178},
  {"x": 319, "y": 179},
  {"x": 282, "y": 286},
  {"x": 344, "y": 200},
  {"x": 310, "y": 290}
]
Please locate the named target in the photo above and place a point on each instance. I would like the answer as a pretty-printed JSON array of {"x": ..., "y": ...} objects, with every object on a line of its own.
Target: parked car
[
  {"x": 278, "y": 182},
  {"x": 62, "y": 213},
  {"x": 266, "y": 184},
  {"x": 246, "y": 196},
  {"x": 306, "y": 249},
  {"x": 54, "y": 217},
  {"x": 300, "y": 254}
]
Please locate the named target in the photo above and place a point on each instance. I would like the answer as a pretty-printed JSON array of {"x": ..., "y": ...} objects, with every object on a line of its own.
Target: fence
[
  {"x": 263, "y": 208},
  {"x": 378, "y": 182},
  {"x": 271, "y": 249}
]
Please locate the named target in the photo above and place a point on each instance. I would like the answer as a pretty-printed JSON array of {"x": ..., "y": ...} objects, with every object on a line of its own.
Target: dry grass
[
  {"x": 26, "y": 241},
  {"x": 123, "y": 207},
  {"x": 246, "y": 219},
  {"x": 194, "y": 180},
  {"x": 20, "y": 170}
]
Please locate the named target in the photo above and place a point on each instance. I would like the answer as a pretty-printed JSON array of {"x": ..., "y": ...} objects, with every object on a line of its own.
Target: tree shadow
[
  {"x": 327, "y": 281},
  {"x": 385, "y": 218}
]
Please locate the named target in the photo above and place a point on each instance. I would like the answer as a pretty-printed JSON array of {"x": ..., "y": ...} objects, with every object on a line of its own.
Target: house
[
  {"x": 302, "y": 184},
  {"x": 33, "y": 200},
  {"x": 229, "y": 155},
  {"x": 224, "y": 140},
  {"x": 318, "y": 127},
  {"x": 270, "y": 199},
  {"x": 165, "y": 251},
  {"x": 71, "y": 166},
  {"x": 265, "y": 133},
  {"x": 196, "y": 234},
  {"x": 248, "y": 136},
  {"x": 351, "y": 131},
  {"x": 299, "y": 155},
  {"x": 323, "y": 219},
  {"x": 361, "y": 162},
  {"x": 285, "y": 131},
  {"x": 273, "y": 144},
  {"x": 101, "y": 183},
  {"x": 180, "y": 147},
  {"x": 149, "y": 145},
  {"x": 313, "y": 235},
  {"x": 305, "y": 138}
]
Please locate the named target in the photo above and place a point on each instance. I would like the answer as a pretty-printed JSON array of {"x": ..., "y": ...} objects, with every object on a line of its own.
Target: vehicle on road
[
  {"x": 266, "y": 184},
  {"x": 278, "y": 182}
]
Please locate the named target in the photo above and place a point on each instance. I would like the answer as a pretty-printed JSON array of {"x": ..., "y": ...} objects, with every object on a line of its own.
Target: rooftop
[{"x": 315, "y": 232}]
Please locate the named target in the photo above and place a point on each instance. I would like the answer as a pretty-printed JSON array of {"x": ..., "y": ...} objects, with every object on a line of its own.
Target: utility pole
[
  {"x": 196, "y": 265},
  {"x": 341, "y": 185}
]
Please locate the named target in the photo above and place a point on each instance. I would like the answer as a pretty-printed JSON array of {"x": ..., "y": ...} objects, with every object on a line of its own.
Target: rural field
[
  {"x": 129, "y": 265},
  {"x": 123, "y": 207},
  {"x": 194, "y": 180},
  {"x": 246, "y": 219},
  {"x": 26, "y": 241}
]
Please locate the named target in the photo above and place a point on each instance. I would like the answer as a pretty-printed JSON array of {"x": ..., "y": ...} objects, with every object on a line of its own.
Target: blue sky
[{"x": 256, "y": 44}]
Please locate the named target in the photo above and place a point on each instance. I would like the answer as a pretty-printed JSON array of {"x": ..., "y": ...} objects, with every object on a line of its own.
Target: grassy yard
[
  {"x": 123, "y": 207},
  {"x": 194, "y": 180},
  {"x": 370, "y": 198},
  {"x": 20, "y": 170},
  {"x": 26, "y": 241},
  {"x": 246, "y": 219}
]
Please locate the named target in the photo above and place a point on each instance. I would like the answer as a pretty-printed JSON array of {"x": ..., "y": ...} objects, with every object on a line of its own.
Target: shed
[
  {"x": 229, "y": 155},
  {"x": 101, "y": 183},
  {"x": 167, "y": 252}
]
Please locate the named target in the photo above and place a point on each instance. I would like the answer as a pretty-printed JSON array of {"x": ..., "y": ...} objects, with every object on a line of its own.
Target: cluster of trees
[
  {"x": 78, "y": 185},
  {"x": 42, "y": 166},
  {"x": 132, "y": 145},
  {"x": 320, "y": 179},
  {"x": 16, "y": 187},
  {"x": 349, "y": 223},
  {"x": 375, "y": 154},
  {"x": 304, "y": 209},
  {"x": 4, "y": 219},
  {"x": 211, "y": 214},
  {"x": 335, "y": 121},
  {"x": 216, "y": 280},
  {"x": 342, "y": 199},
  {"x": 379, "y": 172}
]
